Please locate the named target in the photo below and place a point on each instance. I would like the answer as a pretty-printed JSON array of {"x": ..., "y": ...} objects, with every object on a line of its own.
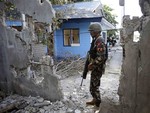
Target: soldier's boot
[
  {"x": 91, "y": 102},
  {"x": 97, "y": 103}
]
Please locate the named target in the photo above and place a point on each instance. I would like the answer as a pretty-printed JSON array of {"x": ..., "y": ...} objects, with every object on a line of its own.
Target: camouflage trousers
[{"x": 95, "y": 83}]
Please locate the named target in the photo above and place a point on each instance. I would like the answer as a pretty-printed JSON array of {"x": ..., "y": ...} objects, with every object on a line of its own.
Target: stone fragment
[{"x": 41, "y": 104}]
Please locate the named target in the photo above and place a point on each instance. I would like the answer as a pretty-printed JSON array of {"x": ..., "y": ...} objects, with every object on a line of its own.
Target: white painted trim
[{"x": 75, "y": 44}]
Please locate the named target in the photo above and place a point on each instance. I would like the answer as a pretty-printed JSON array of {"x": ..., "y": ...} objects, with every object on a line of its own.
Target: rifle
[
  {"x": 81, "y": 82},
  {"x": 85, "y": 71}
]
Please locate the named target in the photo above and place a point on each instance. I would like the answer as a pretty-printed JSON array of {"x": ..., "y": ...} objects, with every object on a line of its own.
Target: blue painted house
[{"x": 73, "y": 38}]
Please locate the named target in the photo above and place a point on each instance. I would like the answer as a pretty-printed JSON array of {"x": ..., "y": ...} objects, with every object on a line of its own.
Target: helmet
[{"x": 95, "y": 27}]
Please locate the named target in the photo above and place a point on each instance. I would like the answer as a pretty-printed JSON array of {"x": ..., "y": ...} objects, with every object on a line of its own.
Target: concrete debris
[
  {"x": 74, "y": 97},
  {"x": 31, "y": 104}
]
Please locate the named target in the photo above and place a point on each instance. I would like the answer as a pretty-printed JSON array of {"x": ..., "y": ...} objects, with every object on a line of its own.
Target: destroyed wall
[
  {"x": 39, "y": 50},
  {"x": 127, "y": 88},
  {"x": 40, "y": 10},
  {"x": 134, "y": 83},
  {"x": 16, "y": 74}
]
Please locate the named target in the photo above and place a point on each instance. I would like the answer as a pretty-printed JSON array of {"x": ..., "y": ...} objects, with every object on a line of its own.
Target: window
[{"x": 71, "y": 37}]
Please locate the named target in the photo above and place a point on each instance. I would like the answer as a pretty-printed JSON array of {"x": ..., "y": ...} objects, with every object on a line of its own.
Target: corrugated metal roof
[
  {"x": 106, "y": 25},
  {"x": 80, "y": 9}
]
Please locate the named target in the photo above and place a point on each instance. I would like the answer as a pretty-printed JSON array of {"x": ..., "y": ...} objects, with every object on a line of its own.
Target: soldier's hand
[{"x": 90, "y": 67}]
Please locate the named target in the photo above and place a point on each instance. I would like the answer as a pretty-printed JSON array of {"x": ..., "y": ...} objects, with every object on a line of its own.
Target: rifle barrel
[{"x": 81, "y": 82}]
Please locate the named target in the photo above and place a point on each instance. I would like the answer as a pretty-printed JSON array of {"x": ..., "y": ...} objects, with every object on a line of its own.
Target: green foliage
[
  {"x": 56, "y": 2},
  {"x": 7, "y": 6},
  {"x": 110, "y": 18}
]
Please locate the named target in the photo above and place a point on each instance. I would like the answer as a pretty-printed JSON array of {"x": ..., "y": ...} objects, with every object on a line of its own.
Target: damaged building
[
  {"x": 24, "y": 70},
  {"x": 134, "y": 83}
]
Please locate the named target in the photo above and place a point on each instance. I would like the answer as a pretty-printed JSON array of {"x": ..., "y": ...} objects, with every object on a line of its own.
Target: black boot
[{"x": 97, "y": 103}]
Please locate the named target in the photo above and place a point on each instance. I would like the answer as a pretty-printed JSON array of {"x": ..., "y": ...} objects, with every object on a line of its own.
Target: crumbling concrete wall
[
  {"x": 134, "y": 83},
  {"x": 16, "y": 54},
  {"x": 128, "y": 80},
  {"x": 143, "y": 79},
  {"x": 4, "y": 63}
]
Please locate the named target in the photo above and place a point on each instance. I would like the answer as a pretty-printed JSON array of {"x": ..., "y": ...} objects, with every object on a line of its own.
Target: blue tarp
[{"x": 14, "y": 23}]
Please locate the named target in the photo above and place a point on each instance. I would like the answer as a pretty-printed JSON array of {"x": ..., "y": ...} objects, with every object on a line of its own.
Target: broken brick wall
[{"x": 16, "y": 52}]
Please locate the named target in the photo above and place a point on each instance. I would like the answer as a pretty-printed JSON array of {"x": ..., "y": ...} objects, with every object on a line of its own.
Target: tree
[{"x": 110, "y": 18}]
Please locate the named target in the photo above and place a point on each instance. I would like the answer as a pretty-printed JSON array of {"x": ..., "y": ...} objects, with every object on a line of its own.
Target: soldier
[{"x": 96, "y": 62}]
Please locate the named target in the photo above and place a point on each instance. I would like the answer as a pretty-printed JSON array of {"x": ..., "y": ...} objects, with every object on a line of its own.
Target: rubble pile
[
  {"x": 74, "y": 95},
  {"x": 20, "y": 104}
]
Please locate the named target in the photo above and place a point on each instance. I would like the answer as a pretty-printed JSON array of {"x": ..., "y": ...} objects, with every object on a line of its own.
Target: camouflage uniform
[{"x": 97, "y": 58}]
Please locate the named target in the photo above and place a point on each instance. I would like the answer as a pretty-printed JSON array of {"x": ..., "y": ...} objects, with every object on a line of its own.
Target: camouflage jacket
[{"x": 97, "y": 51}]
